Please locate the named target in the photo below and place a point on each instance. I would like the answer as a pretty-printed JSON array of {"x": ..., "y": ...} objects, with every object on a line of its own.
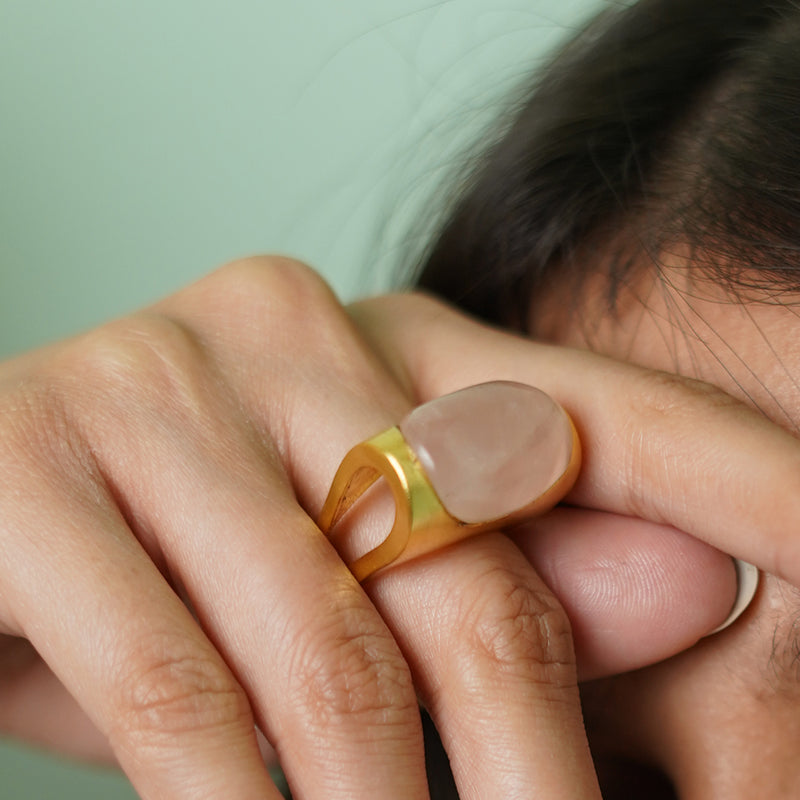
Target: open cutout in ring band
[{"x": 482, "y": 458}]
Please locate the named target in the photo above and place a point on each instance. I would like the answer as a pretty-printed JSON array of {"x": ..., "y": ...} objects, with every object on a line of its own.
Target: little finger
[{"x": 125, "y": 646}]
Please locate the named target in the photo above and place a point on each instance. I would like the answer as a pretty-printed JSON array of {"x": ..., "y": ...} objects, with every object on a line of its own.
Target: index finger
[{"x": 658, "y": 446}]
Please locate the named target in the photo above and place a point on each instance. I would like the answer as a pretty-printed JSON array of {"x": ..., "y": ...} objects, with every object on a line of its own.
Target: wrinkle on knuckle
[
  {"x": 656, "y": 394},
  {"x": 521, "y": 632},
  {"x": 348, "y": 668},
  {"x": 149, "y": 363},
  {"x": 290, "y": 306},
  {"x": 177, "y": 694},
  {"x": 426, "y": 324},
  {"x": 154, "y": 347},
  {"x": 37, "y": 434},
  {"x": 662, "y": 413},
  {"x": 266, "y": 287}
]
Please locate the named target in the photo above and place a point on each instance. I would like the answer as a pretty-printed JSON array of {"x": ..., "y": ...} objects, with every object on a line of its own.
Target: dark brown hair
[{"x": 669, "y": 121}]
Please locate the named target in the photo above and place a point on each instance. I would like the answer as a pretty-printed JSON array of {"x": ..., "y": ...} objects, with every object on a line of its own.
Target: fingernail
[{"x": 747, "y": 577}]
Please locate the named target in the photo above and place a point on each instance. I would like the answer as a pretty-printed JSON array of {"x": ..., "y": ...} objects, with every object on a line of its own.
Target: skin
[
  {"x": 719, "y": 720},
  {"x": 166, "y": 588}
]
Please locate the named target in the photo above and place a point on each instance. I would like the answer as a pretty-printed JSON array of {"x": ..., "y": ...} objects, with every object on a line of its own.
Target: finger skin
[
  {"x": 35, "y": 707},
  {"x": 635, "y": 592},
  {"x": 128, "y": 650},
  {"x": 328, "y": 685},
  {"x": 657, "y": 446},
  {"x": 189, "y": 420},
  {"x": 176, "y": 438},
  {"x": 492, "y": 655}
]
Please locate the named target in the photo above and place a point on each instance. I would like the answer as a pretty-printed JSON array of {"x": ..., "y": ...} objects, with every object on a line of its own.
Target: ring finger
[{"x": 491, "y": 651}]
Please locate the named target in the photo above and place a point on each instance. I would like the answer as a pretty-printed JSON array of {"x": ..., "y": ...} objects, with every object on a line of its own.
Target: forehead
[{"x": 748, "y": 345}]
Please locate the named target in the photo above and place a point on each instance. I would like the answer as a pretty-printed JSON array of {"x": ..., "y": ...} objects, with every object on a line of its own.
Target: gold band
[{"x": 421, "y": 524}]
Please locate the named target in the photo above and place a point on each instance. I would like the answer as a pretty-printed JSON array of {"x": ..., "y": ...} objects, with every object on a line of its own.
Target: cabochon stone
[{"x": 490, "y": 449}]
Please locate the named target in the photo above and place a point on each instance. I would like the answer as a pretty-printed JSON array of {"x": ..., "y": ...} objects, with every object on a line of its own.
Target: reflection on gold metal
[{"x": 421, "y": 523}]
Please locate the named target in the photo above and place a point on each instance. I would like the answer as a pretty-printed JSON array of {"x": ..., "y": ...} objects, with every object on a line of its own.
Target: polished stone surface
[{"x": 490, "y": 449}]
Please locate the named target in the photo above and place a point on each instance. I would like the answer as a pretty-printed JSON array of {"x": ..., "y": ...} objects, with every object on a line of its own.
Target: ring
[{"x": 479, "y": 459}]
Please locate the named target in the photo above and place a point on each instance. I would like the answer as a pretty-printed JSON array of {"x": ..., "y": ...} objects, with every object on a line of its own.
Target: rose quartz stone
[{"x": 490, "y": 449}]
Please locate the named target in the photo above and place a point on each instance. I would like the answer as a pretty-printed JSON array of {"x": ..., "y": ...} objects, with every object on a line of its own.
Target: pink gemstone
[{"x": 490, "y": 449}]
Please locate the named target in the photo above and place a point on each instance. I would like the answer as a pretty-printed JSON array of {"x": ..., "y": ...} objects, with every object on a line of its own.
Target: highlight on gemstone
[{"x": 490, "y": 449}]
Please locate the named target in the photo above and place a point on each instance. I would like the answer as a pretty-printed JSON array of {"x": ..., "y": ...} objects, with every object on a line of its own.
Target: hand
[
  {"x": 658, "y": 446},
  {"x": 160, "y": 476}
]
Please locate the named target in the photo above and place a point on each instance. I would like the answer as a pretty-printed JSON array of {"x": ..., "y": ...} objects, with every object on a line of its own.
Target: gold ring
[{"x": 479, "y": 459}]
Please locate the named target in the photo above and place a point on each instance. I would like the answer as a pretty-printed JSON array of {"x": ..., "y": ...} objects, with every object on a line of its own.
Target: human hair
[{"x": 666, "y": 124}]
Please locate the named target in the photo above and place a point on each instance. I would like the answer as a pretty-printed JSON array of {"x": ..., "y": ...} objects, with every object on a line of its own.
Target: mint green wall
[{"x": 142, "y": 143}]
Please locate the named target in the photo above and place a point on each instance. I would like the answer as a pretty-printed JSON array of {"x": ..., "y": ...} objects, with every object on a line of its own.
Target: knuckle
[
  {"x": 671, "y": 405},
  {"x": 310, "y": 339},
  {"x": 520, "y": 631},
  {"x": 266, "y": 287},
  {"x": 658, "y": 394},
  {"x": 36, "y": 431},
  {"x": 170, "y": 694},
  {"x": 284, "y": 303},
  {"x": 150, "y": 346},
  {"x": 73, "y": 409},
  {"x": 349, "y": 669},
  {"x": 149, "y": 361}
]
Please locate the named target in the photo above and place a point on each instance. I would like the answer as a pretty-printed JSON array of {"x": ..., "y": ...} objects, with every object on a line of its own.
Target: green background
[{"x": 144, "y": 143}]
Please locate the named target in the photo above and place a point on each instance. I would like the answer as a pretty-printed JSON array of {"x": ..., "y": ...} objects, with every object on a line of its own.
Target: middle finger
[{"x": 329, "y": 687}]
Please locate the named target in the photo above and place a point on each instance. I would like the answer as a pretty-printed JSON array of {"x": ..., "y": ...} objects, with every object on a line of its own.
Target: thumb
[{"x": 635, "y": 592}]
